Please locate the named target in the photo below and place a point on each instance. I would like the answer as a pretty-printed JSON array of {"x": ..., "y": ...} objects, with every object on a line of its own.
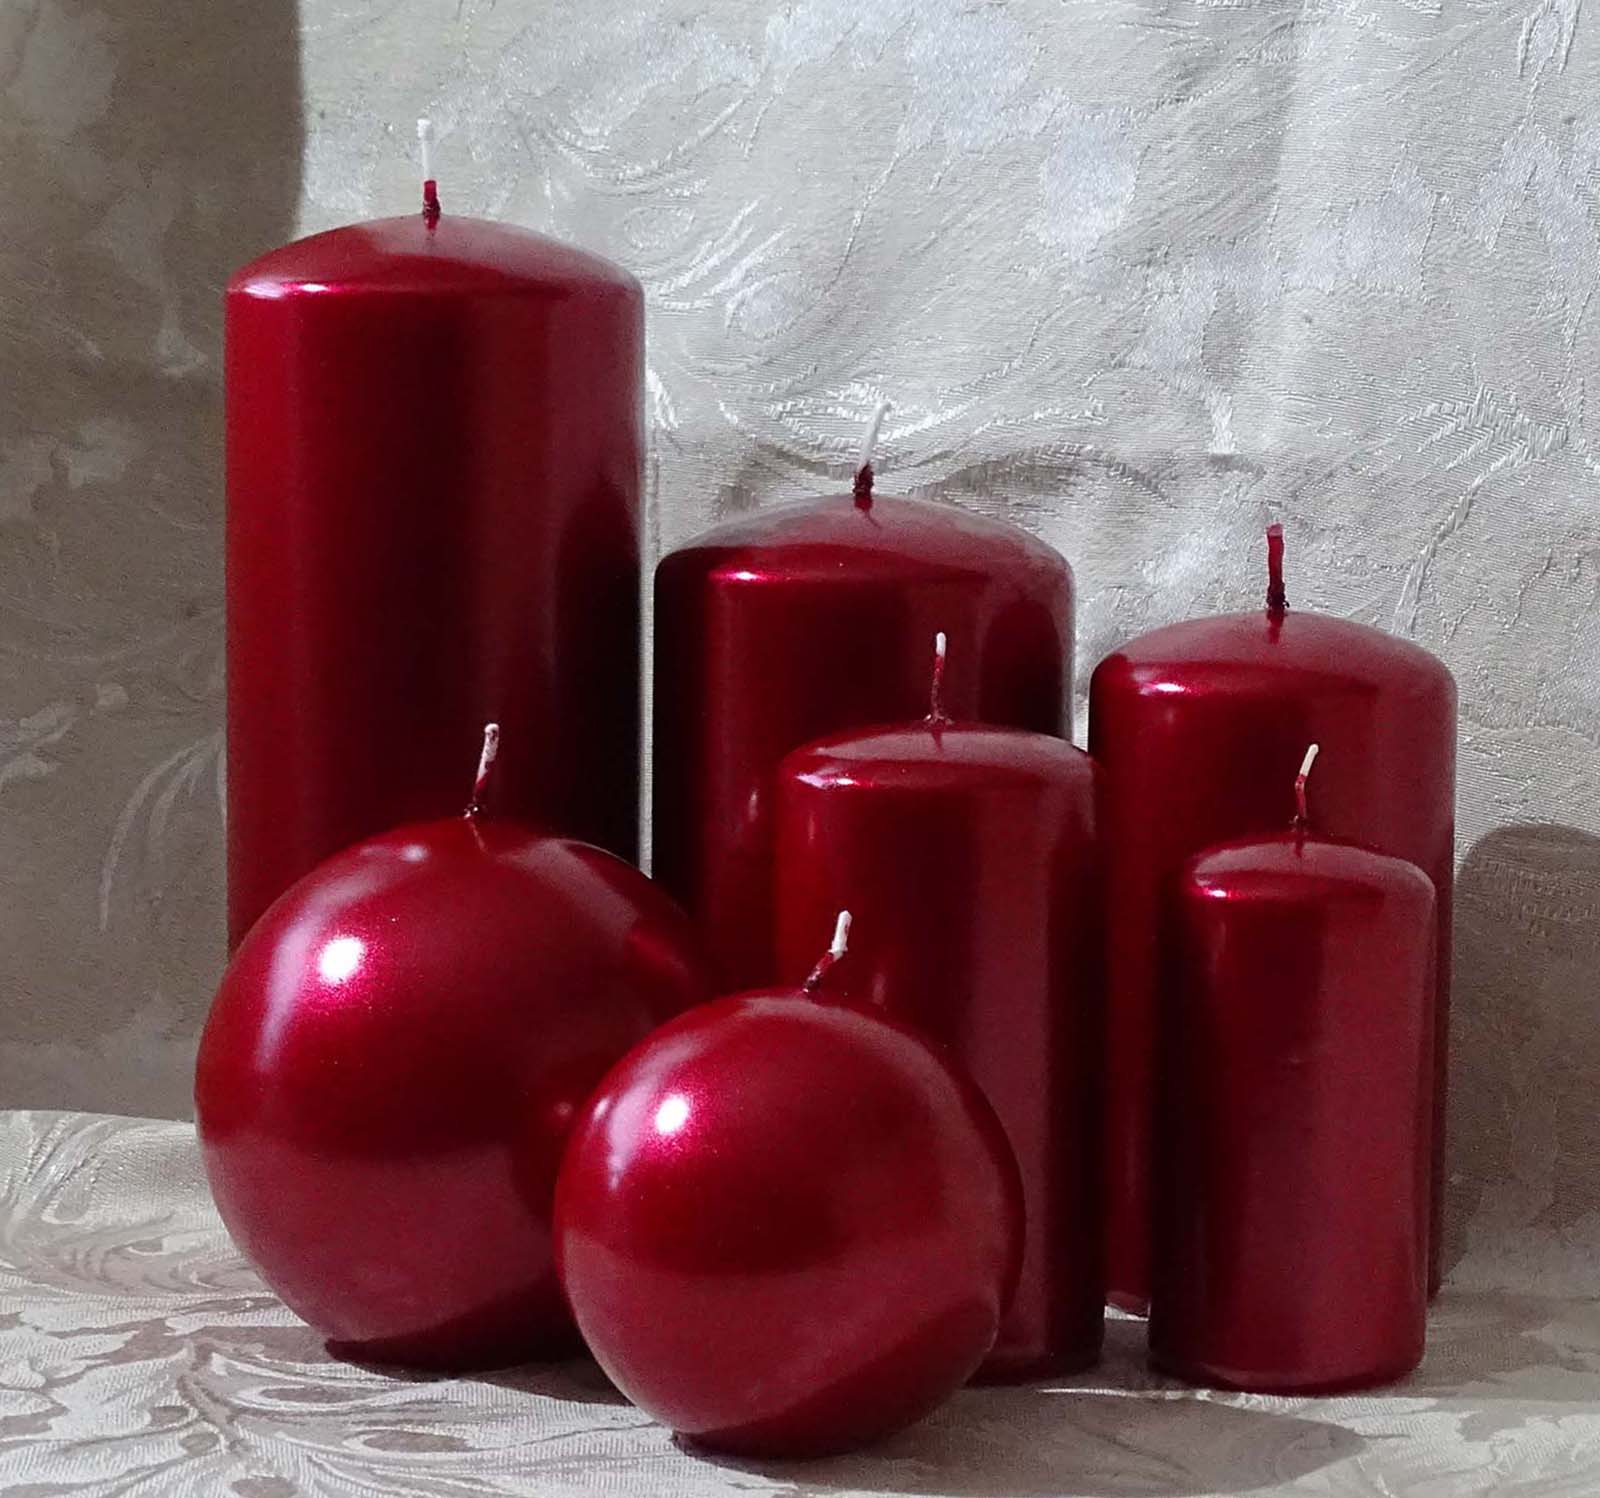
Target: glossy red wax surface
[
  {"x": 967, "y": 856},
  {"x": 434, "y": 443},
  {"x": 1198, "y": 729},
  {"x": 391, "y": 1067},
  {"x": 813, "y": 618},
  {"x": 787, "y": 1227},
  {"x": 1296, "y": 1110}
]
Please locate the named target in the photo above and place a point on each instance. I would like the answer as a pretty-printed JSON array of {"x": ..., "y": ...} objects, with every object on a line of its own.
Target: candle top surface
[
  {"x": 1298, "y": 867},
  {"x": 835, "y": 537},
  {"x": 1232, "y": 648},
  {"x": 403, "y": 255},
  {"x": 938, "y": 754}
]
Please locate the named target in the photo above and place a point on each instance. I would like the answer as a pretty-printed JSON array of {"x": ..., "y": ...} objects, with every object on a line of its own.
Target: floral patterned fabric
[{"x": 140, "y": 1357}]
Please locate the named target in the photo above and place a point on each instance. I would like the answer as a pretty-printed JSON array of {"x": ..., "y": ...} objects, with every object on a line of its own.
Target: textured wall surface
[{"x": 1138, "y": 274}]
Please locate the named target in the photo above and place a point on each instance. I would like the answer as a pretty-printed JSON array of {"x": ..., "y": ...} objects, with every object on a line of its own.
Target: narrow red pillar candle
[
  {"x": 1197, "y": 728},
  {"x": 1296, "y": 1108},
  {"x": 810, "y": 618},
  {"x": 967, "y": 853},
  {"x": 434, "y": 441}
]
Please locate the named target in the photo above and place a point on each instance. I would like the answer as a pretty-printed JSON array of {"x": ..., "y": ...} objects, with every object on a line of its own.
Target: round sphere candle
[
  {"x": 787, "y": 1227},
  {"x": 1296, "y": 1106},
  {"x": 752, "y": 623},
  {"x": 1197, "y": 728},
  {"x": 394, "y": 1060},
  {"x": 968, "y": 854},
  {"x": 433, "y": 450}
]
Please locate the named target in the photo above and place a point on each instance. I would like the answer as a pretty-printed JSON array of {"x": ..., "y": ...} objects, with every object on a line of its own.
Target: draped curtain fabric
[{"x": 1139, "y": 275}]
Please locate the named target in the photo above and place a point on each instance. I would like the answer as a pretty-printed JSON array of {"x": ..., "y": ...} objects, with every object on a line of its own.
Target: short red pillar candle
[
  {"x": 1197, "y": 728},
  {"x": 968, "y": 855},
  {"x": 811, "y": 618},
  {"x": 1296, "y": 1109},
  {"x": 434, "y": 433}
]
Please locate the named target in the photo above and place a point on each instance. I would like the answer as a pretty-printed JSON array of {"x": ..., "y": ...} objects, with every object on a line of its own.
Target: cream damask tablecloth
[{"x": 139, "y": 1355}]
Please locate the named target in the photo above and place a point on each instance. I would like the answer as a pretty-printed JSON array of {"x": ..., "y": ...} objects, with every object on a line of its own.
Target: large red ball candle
[
  {"x": 967, "y": 854},
  {"x": 1197, "y": 728},
  {"x": 433, "y": 453},
  {"x": 752, "y": 623},
  {"x": 787, "y": 1226},
  {"x": 1296, "y": 1107},
  {"x": 393, "y": 1062}
]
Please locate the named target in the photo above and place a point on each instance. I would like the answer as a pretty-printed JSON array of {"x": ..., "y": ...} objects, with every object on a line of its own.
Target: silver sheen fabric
[{"x": 140, "y": 1358}]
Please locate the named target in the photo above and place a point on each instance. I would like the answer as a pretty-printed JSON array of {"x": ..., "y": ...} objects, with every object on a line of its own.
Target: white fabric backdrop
[{"x": 1138, "y": 274}]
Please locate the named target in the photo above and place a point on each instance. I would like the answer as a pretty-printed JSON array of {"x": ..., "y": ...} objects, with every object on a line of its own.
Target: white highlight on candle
[
  {"x": 869, "y": 445},
  {"x": 841, "y": 935},
  {"x": 673, "y": 1114},
  {"x": 1308, "y": 761},
  {"x": 939, "y": 646},
  {"x": 340, "y": 958},
  {"x": 425, "y": 141}
]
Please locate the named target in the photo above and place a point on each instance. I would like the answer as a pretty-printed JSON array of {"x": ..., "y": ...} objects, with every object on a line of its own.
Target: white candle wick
[
  {"x": 841, "y": 944},
  {"x": 1302, "y": 817},
  {"x": 430, "y": 187},
  {"x": 936, "y": 690},
  {"x": 425, "y": 141},
  {"x": 486, "y": 758},
  {"x": 869, "y": 444}
]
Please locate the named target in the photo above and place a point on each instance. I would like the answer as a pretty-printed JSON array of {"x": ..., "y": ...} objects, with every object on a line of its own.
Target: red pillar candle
[
  {"x": 1197, "y": 728},
  {"x": 967, "y": 853},
  {"x": 434, "y": 439},
  {"x": 1296, "y": 1111},
  {"x": 811, "y": 618}
]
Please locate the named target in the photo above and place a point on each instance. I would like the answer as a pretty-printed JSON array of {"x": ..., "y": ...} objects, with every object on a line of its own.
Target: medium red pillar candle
[
  {"x": 967, "y": 854},
  {"x": 1197, "y": 728},
  {"x": 810, "y": 618},
  {"x": 433, "y": 440},
  {"x": 1296, "y": 1107}
]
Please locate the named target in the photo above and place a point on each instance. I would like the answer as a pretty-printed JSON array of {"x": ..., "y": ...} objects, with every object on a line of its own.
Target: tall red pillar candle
[
  {"x": 810, "y": 618},
  {"x": 1197, "y": 728},
  {"x": 1296, "y": 1107},
  {"x": 433, "y": 441},
  {"x": 967, "y": 854}
]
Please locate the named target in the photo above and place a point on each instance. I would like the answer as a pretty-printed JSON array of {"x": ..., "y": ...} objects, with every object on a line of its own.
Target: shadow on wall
[
  {"x": 150, "y": 149},
  {"x": 1524, "y": 1201}
]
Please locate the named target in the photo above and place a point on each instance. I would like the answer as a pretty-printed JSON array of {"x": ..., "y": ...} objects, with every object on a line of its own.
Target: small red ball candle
[
  {"x": 434, "y": 437},
  {"x": 1296, "y": 1109},
  {"x": 786, "y": 1226},
  {"x": 1197, "y": 729},
  {"x": 968, "y": 855},
  {"x": 752, "y": 622},
  {"x": 393, "y": 1062}
]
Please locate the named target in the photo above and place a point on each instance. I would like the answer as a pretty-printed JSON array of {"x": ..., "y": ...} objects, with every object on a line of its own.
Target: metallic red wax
[
  {"x": 391, "y": 1068},
  {"x": 787, "y": 1227},
  {"x": 1296, "y": 1111},
  {"x": 967, "y": 856},
  {"x": 811, "y": 618},
  {"x": 1198, "y": 729},
  {"x": 434, "y": 443}
]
